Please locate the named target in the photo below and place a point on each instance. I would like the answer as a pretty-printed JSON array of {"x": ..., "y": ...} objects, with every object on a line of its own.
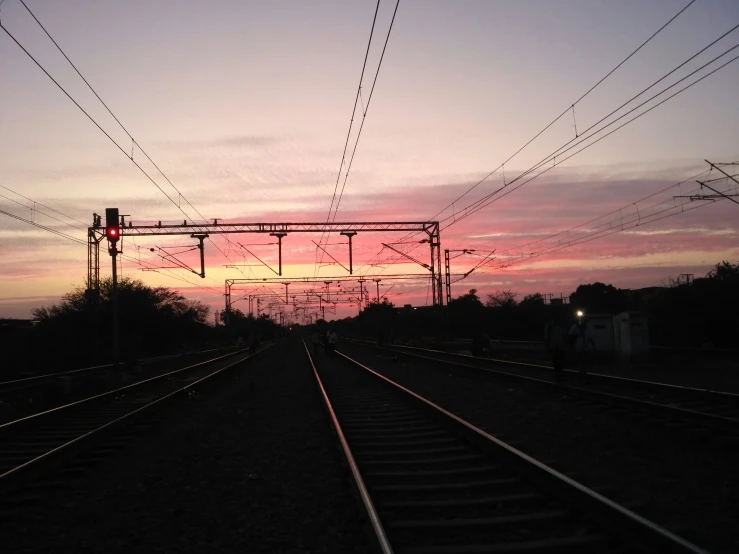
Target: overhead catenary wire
[
  {"x": 650, "y": 214},
  {"x": 138, "y": 261},
  {"x": 129, "y": 258},
  {"x": 552, "y": 157},
  {"x": 36, "y": 203},
  {"x": 542, "y": 131},
  {"x": 636, "y": 202},
  {"x": 133, "y": 140},
  {"x": 366, "y": 109},
  {"x": 130, "y": 157},
  {"x": 489, "y": 199},
  {"x": 44, "y": 227},
  {"x": 36, "y": 210},
  {"x": 565, "y": 111},
  {"x": 507, "y": 188},
  {"x": 351, "y": 124}
]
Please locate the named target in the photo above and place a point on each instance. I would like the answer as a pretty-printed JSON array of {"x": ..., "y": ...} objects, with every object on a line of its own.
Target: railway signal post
[{"x": 112, "y": 233}]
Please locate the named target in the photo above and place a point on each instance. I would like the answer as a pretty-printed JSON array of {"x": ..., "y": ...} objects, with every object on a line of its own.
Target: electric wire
[
  {"x": 656, "y": 212},
  {"x": 484, "y": 201},
  {"x": 351, "y": 123},
  {"x": 44, "y": 227},
  {"x": 566, "y": 110},
  {"x": 490, "y": 198},
  {"x": 36, "y": 210},
  {"x": 153, "y": 181},
  {"x": 364, "y": 114},
  {"x": 44, "y": 206}
]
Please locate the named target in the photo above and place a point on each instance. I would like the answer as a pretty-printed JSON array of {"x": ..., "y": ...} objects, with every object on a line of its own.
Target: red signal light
[{"x": 112, "y": 233}]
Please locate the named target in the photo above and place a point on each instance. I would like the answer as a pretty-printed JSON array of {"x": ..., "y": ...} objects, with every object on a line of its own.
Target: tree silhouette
[
  {"x": 501, "y": 299},
  {"x": 599, "y": 298},
  {"x": 151, "y": 320}
]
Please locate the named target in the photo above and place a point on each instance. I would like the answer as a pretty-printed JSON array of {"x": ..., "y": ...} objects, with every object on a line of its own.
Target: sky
[{"x": 245, "y": 107}]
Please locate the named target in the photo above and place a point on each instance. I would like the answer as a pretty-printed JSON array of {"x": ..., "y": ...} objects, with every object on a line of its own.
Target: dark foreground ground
[
  {"x": 688, "y": 486},
  {"x": 251, "y": 466}
]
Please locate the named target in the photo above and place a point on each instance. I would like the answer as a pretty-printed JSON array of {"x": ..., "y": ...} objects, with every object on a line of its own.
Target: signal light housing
[{"x": 112, "y": 230}]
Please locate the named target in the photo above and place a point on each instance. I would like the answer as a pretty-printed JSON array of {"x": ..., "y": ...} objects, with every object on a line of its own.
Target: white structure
[
  {"x": 631, "y": 334},
  {"x": 599, "y": 332}
]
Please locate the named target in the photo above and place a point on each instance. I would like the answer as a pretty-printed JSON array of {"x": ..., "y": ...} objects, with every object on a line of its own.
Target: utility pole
[{"x": 377, "y": 281}]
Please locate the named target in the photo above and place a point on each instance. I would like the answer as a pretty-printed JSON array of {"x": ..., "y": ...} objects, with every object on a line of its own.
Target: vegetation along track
[
  {"x": 716, "y": 410},
  {"x": 432, "y": 483},
  {"x": 30, "y": 445}
]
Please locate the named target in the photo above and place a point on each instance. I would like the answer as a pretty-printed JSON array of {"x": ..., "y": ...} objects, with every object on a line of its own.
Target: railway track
[
  {"x": 33, "y": 381},
  {"x": 34, "y": 393},
  {"x": 703, "y": 407},
  {"x": 432, "y": 483},
  {"x": 30, "y": 446}
]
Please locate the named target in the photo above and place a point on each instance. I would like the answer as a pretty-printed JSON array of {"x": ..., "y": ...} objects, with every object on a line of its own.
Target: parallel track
[
  {"x": 432, "y": 483},
  {"x": 30, "y": 445},
  {"x": 35, "y": 381},
  {"x": 706, "y": 408}
]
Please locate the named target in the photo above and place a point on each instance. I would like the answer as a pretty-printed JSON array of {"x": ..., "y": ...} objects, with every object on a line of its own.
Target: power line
[
  {"x": 44, "y": 227},
  {"x": 559, "y": 151},
  {"x": 564, "y": 112},
  {"x": 111, "y": 138},
  {"x": 351, "y": 123},
  {"x": 493, "y": 196},
  {"x": 490, "y": 198},
  {"x": 133, "y": 140},
  {"x": 669, "y": 187},
  {"x": 656, "y": 212},
  {"x": 87, "y": 114},
  {"x": 43, "y": 205},
  {"x": 130, "y": 258},
  {"x": 366, "y": 109},
  {"x": 36, "y": 210}
]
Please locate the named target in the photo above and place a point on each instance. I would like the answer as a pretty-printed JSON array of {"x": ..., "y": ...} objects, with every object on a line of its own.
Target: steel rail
[
  {"x": 716, "y": 421},
  {"x": 618, "y": 520},
  {"x": 369, "y": 508},
  {"x": 667, "y": 386},
  {"x": 144, "y": 361},
  {"x": 117, "y": 391},
  {"x": 9, "y": 478}
]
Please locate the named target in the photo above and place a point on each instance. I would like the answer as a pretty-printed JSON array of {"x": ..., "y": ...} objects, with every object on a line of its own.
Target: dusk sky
[{"x": 246, "y": 105}]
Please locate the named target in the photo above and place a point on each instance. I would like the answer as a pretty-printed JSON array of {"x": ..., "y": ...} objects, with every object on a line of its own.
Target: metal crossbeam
[
  {"x": 343, "y": 278},
  {"x": 158, "y": 229},
  {"x": 127, "y": 229}
]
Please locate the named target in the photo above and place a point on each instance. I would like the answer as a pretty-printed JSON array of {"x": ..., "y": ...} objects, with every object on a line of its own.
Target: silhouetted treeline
[
  {"x": 248, "y": 327},
  {"x": 78, "y": 331},
  {"x": 703, "y": 312}
]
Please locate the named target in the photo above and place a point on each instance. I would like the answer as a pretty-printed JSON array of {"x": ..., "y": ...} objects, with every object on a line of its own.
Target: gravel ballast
[
  {"x": 249, "y": 465},
  {"x": 689, "y": 488}
]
